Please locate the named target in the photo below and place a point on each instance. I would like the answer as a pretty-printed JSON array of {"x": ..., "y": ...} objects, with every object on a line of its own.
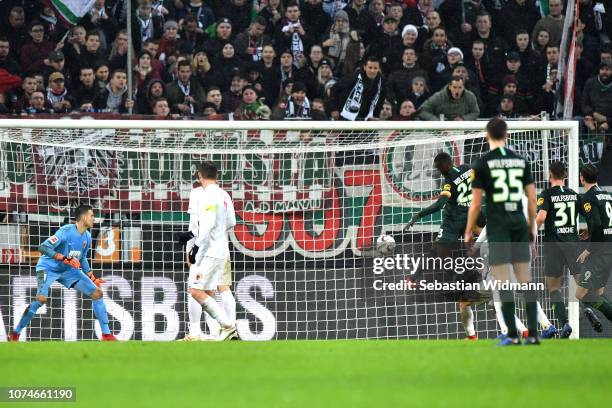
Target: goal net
[{"x": 311, "y": 200}]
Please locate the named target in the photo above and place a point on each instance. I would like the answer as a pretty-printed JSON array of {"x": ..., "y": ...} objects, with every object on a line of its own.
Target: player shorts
[
  {"x": 451, "y": 230},
  {"x": 69, "y": 279},
  {"x": 558, "y": 255},
  {"x": 510, "y": 244},
  {"x": 208, "y": 274},
  {"x": 595, "y": 271}
]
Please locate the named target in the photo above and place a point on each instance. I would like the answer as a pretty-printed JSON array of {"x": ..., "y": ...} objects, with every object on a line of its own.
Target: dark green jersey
[
  {"x": 561, "y": 206},
  {"x": 596, "y": 207},
  {"x": 503, "y": 175},
  {"x": 458, "y": 188}
]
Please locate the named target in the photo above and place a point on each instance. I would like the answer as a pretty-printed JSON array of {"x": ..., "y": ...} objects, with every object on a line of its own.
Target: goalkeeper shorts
[{"x": 208, "y": 274}]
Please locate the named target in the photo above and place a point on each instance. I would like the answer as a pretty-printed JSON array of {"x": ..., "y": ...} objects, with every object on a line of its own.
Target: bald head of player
[
  {"x": 443, "y": 163},
  {"x": 207, "y": 173},
  {"x": 497, "y": 131}
]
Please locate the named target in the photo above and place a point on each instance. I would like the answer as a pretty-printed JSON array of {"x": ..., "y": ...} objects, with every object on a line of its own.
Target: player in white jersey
[
  {"x": 211, "y": 216},
  {"x": 549, "y": 330}
]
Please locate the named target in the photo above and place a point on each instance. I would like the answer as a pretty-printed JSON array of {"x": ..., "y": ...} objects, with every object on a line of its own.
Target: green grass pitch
[{"x": 358, "y": 373}]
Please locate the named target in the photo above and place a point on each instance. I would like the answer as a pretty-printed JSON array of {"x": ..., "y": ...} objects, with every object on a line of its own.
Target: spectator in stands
[
  {"x": 145, "y": 25},
  {"x": 118, "y": 55},
  {"x": 399, "y": 82},
  {"x": 29, "y": 85},
  {"x": 185, "y": 96},
  {"x": 515, "y": 16},
  {"x": 531, "y": 61},
  {"x": 419, "y": 92},
  {"x": 553, "y": 22},
  {"x": 341, "y": 42},
  {"x": 407, "y": 111},
  {"x": 318, "y": 20},
  {"x": 214, "y": 96},
  {"x": 249, "y": 44},
  {"x": 56, "y": 62},
  {"x": 361, "y": 96},
  {"x": 102, "y": 75},
  {"x": 361, "y": 20},
  {"x": 495, "y": 47},
  {"x": 251, "y": 108},
  {"x": 454, "y": 102},
  {"x": 148, "y": 94},
  {"x": 460, "y": 19},
  {"x": 202, "y": 70},
  {"x": 297, "y": 105},
  {"x": 16, "y": 32},
  {"x": 541, "y": 41},
  {"x": 143, "y": 70},
  {"x": 324, "y": 76},
  {"x": 434, "y": 51},
  {"x": 479, "y": 64},
  {"x": 204, "y": 15},
  {"x": 547, "y": 100},
  {"x": 552, "y": 62},
  {"x": 239, "y": 11},
  {"x": 505, "y": 110},
  {"x": 99, "y": 20},
  {"x": 386, "y": 112},
  {"x": 410, "y": 35},
  {"x": 37, "y": 104},
  {"x": 57, "y": 94},
  {"x": 34, "y": 52},
  {"x": 84, "y": 92},
  {"x": 190, "y": 32},
  {"x": 273, "y": 13},
  {"x": 169, "y": 42},
  {"x": 292, "y": 34},
  {"x": 161, "y": 109},
  {"x": 6, "y": 60},
  {"x": 224, "y": 33},
  {"x": 597, "y": 99},
  {"x": 387, "y": 45},
  {"x": 114, "y": 98},
  {"x": 232, "y": 98}
]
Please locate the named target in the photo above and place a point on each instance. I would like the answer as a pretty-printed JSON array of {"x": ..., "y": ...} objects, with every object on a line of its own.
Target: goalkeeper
[{"x": 64, "y": 260}]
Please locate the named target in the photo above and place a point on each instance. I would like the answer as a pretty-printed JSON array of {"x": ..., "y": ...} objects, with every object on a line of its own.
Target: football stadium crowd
[{"x": 310, "y": 59}]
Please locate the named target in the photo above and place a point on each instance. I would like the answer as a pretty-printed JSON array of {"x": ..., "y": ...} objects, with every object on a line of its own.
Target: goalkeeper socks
[
  {"x": 28, "y": 315},
  {"x": 100, "y": 311},
  {"x": 603, "y": 305},
  {"x": 542, "y": 318},
  {"x": 508, "y": 306},
  {"x": 229, "y": 305},
  {"x": 530, "y": 298},
  {"x": 467, "y": 318},
  {"x": 213, "y": 309},
  {"x": 558, "y": 306},
  {"x": 194, "y": 309}
]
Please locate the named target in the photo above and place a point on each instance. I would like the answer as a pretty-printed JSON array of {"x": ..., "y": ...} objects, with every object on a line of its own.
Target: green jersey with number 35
[
  {"x": 561, "y": 206},
  {"x": 503, "y": 175}
]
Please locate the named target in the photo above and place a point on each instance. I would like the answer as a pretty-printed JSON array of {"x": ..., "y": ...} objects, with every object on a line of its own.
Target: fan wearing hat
[
  {"x": 297, "y": 105},
  {"x": 224, "y": 30},
  {"x": 168, "y": 44},
  {"x": 57, "y": 94},
  {"x": 597, "y": 99},
  {"x": 239, "y": 11},
  {"x": 341, "y": 41},
  {"x": 387, "y": 45},
  {"x": 56, "y": 62},
  {"x": 324, "y": 76},
  {"x": 505, "y": 109},
  {"x": 525, "y": 97}
]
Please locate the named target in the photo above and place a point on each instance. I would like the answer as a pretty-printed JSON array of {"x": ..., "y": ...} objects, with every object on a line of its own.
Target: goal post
[{"x": 311, "y": 199}]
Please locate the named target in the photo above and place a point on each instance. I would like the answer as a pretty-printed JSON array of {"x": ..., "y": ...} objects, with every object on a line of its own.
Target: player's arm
[
  {"x": 473, "y": 213},
  {"x": 49, "y": 248},
  {"x": 593, "y": 219},
  {"x": 85, "y": 265},
  {"x": 207, "y": 219},
  {"x": 443, "y": 198},
  {"x": 543, "y": 207}
]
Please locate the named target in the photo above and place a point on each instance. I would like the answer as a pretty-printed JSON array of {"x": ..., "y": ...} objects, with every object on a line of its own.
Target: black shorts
[
  {"x": 509, "y": 245},
  {"x": 451, "y": 230},
  {"x": 557, "y": 256},
  {"x": 595, "y": 271}
]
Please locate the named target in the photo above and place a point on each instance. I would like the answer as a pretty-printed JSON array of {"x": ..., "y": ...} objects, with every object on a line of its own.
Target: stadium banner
[{"x": 142, "y": 305}]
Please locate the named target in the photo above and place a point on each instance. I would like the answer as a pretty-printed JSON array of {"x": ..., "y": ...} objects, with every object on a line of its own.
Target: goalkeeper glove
[
  {"x": 68, "y": 260},
  {"x": 95, "y": 280},
  {"x": 183, "y": 237},
  {"x": 192, "y": 254},
  {"x": 413, "y": 221}
]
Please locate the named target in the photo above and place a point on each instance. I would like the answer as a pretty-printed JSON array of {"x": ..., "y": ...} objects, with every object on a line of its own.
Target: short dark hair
[
  {"x": 92, "y": 33},
  {"x": 558, "y": 170},
  {"x": 441, "y": 158},
  {"x": 371, "y": 58},
  {"x": 456, "y": 78},
  {"x": 521, "y": 31},
  {"x": 81, "y": 210},
  {"x": 183, "y": 63},
  {"x": 589, "y": 172},
  {"x": 497, "y": 129},
  {"x": 118, "y": 71},
  {"x": 208, "y": 170}
]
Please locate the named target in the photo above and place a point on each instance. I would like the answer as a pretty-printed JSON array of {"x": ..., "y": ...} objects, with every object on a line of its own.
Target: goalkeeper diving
[
  {"x": 211, "y": 217},
  {"x": 64, "y": 259}
]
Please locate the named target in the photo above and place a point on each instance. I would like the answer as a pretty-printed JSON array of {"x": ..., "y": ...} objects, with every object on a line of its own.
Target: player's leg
[
  {"x": 194, "y": 312},
  {"x": 530, "y": 297},
  {"x": 501, "y": 273},
  {"x": 83, "y": 284},
  {"x": 202, "y": 283},
  {"x": 224, "y": 288},
  {"x": 467, "y": 319},
  {"x": 594, "y": 276},
  {"x": 44, "y": 280}
]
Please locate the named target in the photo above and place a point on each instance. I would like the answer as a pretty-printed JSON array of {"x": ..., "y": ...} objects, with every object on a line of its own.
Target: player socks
[
  {"x": 530, "y": 298},
  {"x": 100, "y": 311},
  {"x": 194, "y": 309},
  {"x": 558, "y": 306},
  {"x": 28, "y": 315},
  {"x": 467, "y": 318},
  {"x": 213, "y": 309},
  {"x": 542, "y": 318},
  {"x": 500, "y": 317},
  {"x": 603, "y": 305},
  {"x": 229, "y": 305},
  {"x": 508, "y": 306}
]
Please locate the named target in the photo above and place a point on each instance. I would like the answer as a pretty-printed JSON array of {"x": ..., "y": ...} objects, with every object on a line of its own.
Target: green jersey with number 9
[
  {"x": 596, "y": 207},
  {"x": 503, "y": 175}
]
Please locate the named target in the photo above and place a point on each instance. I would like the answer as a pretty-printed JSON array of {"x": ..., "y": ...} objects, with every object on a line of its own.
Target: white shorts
[{"x": 208, "y": 274}]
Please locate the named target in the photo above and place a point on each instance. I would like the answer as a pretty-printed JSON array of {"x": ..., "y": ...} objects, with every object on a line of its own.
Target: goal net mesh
[{"x": 310, "y": 206}]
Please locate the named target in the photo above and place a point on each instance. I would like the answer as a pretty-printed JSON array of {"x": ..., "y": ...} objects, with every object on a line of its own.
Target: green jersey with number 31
[{"x": 561, "y": 206}]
